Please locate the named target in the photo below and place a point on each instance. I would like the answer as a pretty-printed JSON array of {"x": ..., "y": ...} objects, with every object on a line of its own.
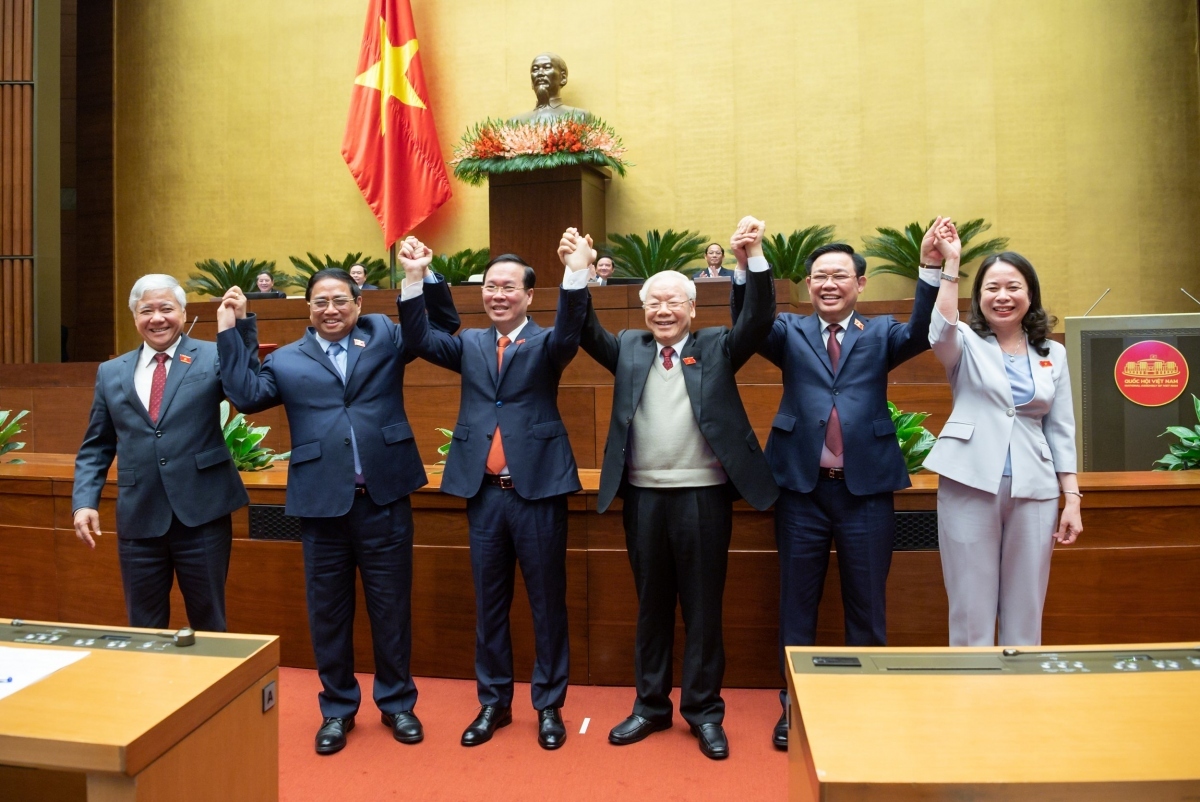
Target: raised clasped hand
[
  {"x": 747, "y": 239},
  {"x": 415, "y": 257},
  {"x": 575, "y": 250},
  {"x": 231, "y": 309}
]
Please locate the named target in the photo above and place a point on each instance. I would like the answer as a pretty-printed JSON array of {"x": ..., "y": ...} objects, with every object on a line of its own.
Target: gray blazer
[
  {"x": 985, "y": 423},
  {"x": 180, "y": 466}
]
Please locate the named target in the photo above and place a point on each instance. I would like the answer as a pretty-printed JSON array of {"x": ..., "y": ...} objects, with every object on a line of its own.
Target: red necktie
[
  {"x": 158, "y": 383},
  {"x": 667, "y": 353},
  {"x": 833, "y": 431},
  {"x": 495, "y": 457}
]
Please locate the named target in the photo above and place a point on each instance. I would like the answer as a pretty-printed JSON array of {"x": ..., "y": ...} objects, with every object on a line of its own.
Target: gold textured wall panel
[{"x": 1074, "y": 127}]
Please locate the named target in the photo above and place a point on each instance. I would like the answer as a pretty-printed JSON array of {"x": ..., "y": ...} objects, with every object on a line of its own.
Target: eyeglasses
[
  {"x": 673, "y": 306},
  {"x": 821, "y": 279},
  {"x": 339, "y": 303},
  {"x": 495, "y": 289}
]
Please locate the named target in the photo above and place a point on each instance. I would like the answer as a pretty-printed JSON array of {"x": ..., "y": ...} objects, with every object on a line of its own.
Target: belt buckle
[
  {"x": 831, "y": 473},
  {"x": 506, "y": 482}
]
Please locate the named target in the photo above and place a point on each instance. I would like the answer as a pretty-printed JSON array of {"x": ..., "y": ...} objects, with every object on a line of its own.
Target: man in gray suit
[{"x": 157, "y": 410}]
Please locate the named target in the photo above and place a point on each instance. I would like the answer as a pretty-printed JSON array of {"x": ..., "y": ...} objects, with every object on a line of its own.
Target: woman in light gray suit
[{"x": 1005, "y": 452}]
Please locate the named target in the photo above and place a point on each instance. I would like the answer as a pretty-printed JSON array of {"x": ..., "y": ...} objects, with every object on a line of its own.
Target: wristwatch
[{"x": 950, "y": 278}]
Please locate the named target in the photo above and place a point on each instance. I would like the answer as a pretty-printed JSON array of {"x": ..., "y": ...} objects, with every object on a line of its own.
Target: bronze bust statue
[{"x": 548, "y": 74}]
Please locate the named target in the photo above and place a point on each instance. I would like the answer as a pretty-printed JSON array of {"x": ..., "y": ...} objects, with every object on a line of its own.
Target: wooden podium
[
  {"x": 141, "y": 720},
  {"x": 1086, "y": 723},
  {"x": 528, "y": 212}
]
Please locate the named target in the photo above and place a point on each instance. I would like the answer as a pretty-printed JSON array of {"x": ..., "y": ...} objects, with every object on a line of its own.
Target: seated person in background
[
  {"x": 714, "y": 255},
  {"x": 601, "y": 272},
  {"x": 265, "y": 284},
  {"x": 359, "y": 274}
]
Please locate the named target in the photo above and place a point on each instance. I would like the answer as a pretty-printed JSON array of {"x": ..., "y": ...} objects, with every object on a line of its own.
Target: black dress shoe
[
  {"x": 490, "y": 719},
  {"x": 406, "y": 727},
  {"x": 551, "y": 732},
  {"x": 332, "y": 735},
  {"x": 780, "y": 736},
  {"x": 634, "y": 729},
  {"x": 713, "y": 743}
]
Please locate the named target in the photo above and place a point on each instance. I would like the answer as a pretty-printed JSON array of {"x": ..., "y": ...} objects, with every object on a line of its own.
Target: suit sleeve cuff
[
  {"x": 574, "y": 279},
  {"x": 931, "y": 275},
  {"x": 411, "y": 291}
]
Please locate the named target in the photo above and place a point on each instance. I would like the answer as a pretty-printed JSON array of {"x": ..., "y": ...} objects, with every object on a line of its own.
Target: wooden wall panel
[
  {"x": 16, "y": 181},
  {"x": 27, "y": 574}
]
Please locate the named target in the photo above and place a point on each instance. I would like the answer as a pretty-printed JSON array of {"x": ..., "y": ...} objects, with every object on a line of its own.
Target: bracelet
[
  {"x": 950, "y": 278},
  {"x": 1073, "y": 493}
]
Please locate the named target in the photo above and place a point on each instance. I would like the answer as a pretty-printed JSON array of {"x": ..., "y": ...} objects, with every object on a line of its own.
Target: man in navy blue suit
[
  {"x": 713, "y": 256},
  {"x": 511, "y": 460},
  {"x": 353, "y": 465},
  {"x": 833, "y": 446}
]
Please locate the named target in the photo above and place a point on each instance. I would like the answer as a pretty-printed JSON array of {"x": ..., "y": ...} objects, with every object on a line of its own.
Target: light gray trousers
[{"x": 996, "y": 562}]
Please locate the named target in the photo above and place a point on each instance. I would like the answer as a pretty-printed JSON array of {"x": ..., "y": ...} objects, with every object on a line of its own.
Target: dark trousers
[
  {"x": 864, "y": 531},
  {"x": 378, "y": 542},
  {"x": 506, "y": 529},
  {"x": 198, "y": 555},
  {"x": 678, "y": 542}
]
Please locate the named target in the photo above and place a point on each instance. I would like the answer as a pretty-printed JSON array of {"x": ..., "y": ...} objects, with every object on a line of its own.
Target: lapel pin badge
[
  {"x": 518, "y": 342},
  {"x": 185, "y": 359},
  {"x": 858, "y": 323},
  {"x": 360, "y": 343},
  {"x": 689, "y": 360},
  {"x": 1046, "y": 363}
]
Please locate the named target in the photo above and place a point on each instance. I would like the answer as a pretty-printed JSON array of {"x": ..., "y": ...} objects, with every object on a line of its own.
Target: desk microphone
[
  {"x": 1098, "y": 300},
  {"x": 189, "y": 331}
]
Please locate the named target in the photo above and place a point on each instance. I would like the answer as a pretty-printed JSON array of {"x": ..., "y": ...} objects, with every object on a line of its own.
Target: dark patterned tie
[
  {"x": 833, "y": 432},
  {"x": 158, "y": 383},
  {"x": 667, "y": 353},
  {"x": 495, "y": 458}
]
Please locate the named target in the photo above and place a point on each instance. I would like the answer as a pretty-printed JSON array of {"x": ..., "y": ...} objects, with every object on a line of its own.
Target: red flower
[{"x": 488, "y": 145}]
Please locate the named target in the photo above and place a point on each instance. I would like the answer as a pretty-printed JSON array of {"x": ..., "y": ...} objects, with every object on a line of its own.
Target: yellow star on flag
[{"x": 389, "y": 75}]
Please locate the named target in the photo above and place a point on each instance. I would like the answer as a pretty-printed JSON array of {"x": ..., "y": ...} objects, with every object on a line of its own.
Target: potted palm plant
[
  {"x": 216, "y": 278},
  {"x": 787, "y": 255},
  {"x": 641, "y": 258},
  {"x": 900, "y": 249}
]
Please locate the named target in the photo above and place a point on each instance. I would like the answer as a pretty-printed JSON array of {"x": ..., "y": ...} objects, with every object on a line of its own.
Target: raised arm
[
  {"x": 752, "y": 323},
  {"x": 772, "y": 346},
  {"x": 419, "y": 294},
  {"x": 941, "y": 247},
  {"x": 577, "y": 256},
  {"x": 248, "y": 389},
  {"x": 597, "y": 342}
]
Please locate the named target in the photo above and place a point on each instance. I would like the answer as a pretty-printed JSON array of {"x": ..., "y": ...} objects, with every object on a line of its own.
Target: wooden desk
[
  {"x": 994, "y": 734},
  {"x": 122, "y": 725}
]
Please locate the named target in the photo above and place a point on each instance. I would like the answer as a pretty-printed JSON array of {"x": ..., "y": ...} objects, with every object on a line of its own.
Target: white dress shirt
[{"x": 143, "y": 372}]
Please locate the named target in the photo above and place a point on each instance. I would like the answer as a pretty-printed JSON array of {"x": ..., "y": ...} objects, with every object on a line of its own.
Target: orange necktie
[{"x": 495, "y": 458}]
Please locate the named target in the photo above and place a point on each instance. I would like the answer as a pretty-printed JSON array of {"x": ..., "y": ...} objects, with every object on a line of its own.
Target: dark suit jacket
[
  {"x": 712, "y": 388},
  {"x": 873, "y": 460},
  {"x": 368, "y": 286},
  {"x": 180, "y": 466},
  {"x": 522, "y": 398},
  {"x": 321, "y": 409},
  {"x": 724, "y": 272}
]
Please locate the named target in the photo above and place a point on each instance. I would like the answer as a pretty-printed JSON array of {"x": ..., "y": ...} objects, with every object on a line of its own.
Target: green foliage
[
  {"x": 457, "y": 268},
  {"x": 10, "y": 429},
  {"x": 1183, "y": 456},
  {"x": 642, "y": 258},
  {"x": 215, "y": 278},
  {"x": 444, "y": 448},
  {"x": 242, "y": 438},
  {"x": 476, "y": 171},
  {"x": 377, "y": 269},
  {"x": 901, "y": 250},
  {"x": 787, "y": 255},
  {"x": 915, "y": 440}
]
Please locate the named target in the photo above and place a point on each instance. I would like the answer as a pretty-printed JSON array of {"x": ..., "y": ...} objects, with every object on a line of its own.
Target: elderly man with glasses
[{"x": 354, "y": 463}]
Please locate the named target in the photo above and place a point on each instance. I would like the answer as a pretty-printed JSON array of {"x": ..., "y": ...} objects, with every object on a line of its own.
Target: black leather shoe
[
  {"x": 634, "y": 729},
  {"x": 713, "y": 743},
  {"x": 406, "y": 727},
  {"x": 490, "y": 719},
  {"x": 780, "y": 736},
  {"x": 551, "y": 732},
  {"x": 332, "y": 735}
]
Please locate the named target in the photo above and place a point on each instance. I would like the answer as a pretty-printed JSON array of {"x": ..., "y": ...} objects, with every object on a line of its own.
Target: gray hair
[
  {"x": 689, "y": 286},
  {"x": 155, "y": 281}
]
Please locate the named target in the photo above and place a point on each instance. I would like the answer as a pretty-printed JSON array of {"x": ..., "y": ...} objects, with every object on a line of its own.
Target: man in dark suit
[
  {"x": 359, "y": 274},
  {"x": 713, "y": 255},
  {"x": 833, "y": 447},
  {"x": 510, "y": 458},
  {"x": 157, "y": 409},
  {"x": 680, "y": 448},
  {"x": 353, "y": 465}
]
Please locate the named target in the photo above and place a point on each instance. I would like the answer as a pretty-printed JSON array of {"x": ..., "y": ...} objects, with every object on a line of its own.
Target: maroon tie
[
  {"x": 157, "y": 384},
  {"x": 495, "y": 458},
  {"x": 833, "y": 431},
  {"x": 667, "y": 353}
]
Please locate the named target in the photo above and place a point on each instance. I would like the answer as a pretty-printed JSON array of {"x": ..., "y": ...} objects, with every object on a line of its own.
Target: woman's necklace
[{"x": 1020, "y": 351}]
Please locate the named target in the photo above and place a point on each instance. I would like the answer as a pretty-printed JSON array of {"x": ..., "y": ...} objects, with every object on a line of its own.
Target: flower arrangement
[{"x": 508, "y": 146}]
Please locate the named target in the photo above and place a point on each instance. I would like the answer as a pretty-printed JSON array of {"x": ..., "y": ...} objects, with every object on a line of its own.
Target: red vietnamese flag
[{"x": 390, "y": 144}]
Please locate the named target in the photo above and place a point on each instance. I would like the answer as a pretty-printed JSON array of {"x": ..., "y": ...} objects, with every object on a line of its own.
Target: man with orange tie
[
  {"x": 511, "y": 460},
  {"x": 157, "y": 410}
]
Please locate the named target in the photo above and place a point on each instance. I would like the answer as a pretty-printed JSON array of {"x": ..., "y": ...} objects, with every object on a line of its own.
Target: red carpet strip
[{"x": 666, "y": 766}]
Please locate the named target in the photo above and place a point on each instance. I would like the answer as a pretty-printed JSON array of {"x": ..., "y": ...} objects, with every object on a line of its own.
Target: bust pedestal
[{"x": 528, "y": 212}]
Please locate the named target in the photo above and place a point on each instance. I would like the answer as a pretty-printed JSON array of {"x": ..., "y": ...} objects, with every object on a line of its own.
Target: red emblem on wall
[{"x": 1151, "y": 373}]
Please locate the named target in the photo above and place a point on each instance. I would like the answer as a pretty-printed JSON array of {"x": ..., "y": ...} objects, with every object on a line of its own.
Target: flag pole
[{"x": 392, "y": 264}]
